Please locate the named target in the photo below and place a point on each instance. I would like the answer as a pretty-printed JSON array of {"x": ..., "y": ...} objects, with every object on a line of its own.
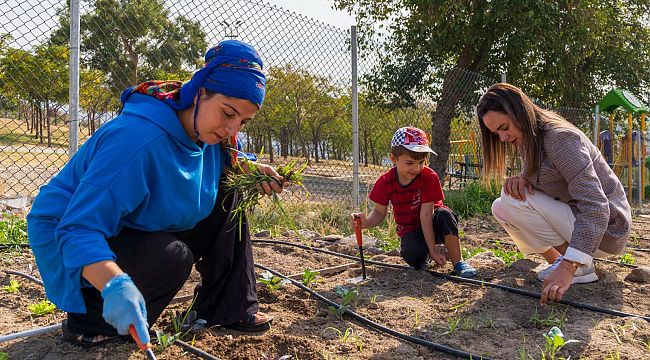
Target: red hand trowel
[{"x": 357, "y": 231}]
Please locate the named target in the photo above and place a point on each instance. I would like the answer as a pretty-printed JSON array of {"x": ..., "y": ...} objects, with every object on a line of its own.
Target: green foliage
[
  {"x": 474, "y": 199},
  {"x": 164, "y": 340},
  {"x": 553, "y": 317},
  {"x": 272, "y": 282},
  {"x": 348, "y": 336},
  {"x": 246, "y": 181},
  {"x": 42, "y": 308},
  {"x": 13, "y": 229},
  {"x": 4, "y": 356},
  {"x": 554, "y": 342},
  {"x": 468, "y": 253},
  {"x": 350, "y": 296},
  {"x": 309, "y": 277},
  {"x": 507, "y": 256},
  {"x": 13, "y": 286},
  {"x": 338, "y": 311},
  {"x": 134, "y": 40},
  {"x": 627, "y": 259}
]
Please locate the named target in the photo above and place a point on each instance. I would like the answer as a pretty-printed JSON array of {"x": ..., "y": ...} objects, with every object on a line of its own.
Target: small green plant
[
  {"x": 272, "y": 282},
  {"x": 13, "y": 229},
  {"x": 469, "y": 323},
  {"x": 164, "y": 340},
  {"x": 42, "y": 308},
  {"x": 338, "y": 311},
  {"x": 554, "y": 342},
  {"x": 452, "y": 325},
  {"x": 468, "y": 253},
  {"x": 554, "y": 317},
  {"x": 349, "y": 295},
  {"x": 12, "y": 287},
  {"x": 613, "y": 355},
  {"x": 508, "y": 257},
  {"x": 348, "y": 336},
  {"x": 627, "y": 259},
  {"x": 4, "y": 356},
  {"x": 309, "y": 277},
  {"x": 522, "y": 350},
  {"x": 373, "y": 299}
]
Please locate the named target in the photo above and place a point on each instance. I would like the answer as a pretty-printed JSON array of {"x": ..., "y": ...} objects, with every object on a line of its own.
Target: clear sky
[{"x": 317, "y": 9}]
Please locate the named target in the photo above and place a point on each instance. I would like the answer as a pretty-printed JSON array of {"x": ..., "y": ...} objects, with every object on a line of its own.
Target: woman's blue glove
[{"x": 124, "y": 305}]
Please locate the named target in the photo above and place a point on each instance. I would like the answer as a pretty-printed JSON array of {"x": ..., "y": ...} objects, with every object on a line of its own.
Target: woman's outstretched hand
[
  {"x": 516, "y": 186},
  {"x": 557, "y": 283}
]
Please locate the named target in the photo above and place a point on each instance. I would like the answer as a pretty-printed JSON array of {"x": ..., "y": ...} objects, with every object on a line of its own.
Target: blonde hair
[{"x": 529, "y": 118}]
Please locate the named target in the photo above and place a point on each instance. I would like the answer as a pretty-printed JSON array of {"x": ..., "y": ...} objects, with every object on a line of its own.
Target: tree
[
  {"x": 563, "y": 52},
  {"x": 130, "y": 40}
]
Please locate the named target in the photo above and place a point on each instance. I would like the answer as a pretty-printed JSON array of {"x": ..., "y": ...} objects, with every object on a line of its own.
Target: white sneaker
[{"x": 584, "y": 273}]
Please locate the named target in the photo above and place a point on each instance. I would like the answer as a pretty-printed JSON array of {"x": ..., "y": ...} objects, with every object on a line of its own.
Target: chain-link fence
[{"x": 308, "y": 108}]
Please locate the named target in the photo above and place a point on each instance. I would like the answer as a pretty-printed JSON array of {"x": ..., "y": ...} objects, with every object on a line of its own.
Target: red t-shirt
[{"x": 407, "y": 200}]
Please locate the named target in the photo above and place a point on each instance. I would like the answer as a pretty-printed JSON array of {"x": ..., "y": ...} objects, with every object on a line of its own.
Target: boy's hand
[
  {"x": 439, "y": 258},
  {"x": 359, "y": 215}
]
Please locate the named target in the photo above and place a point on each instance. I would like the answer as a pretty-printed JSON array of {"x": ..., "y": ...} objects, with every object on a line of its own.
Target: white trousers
[{"x": 537, "y": 223}]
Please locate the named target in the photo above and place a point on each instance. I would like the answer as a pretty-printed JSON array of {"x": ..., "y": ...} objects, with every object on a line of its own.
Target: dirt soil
[{"x": 478, "y": 319}]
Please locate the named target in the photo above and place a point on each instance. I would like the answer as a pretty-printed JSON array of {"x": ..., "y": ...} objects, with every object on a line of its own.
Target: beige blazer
[{"x": 573, "y": 171}]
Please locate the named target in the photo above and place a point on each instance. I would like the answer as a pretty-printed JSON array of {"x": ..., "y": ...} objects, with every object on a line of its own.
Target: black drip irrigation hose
[
  {"x": 194, "y": 350},
  {"x": 13, "y": 246},
  {"x": 189, "y": 348},
  {"x": 376, "y": 326},
  {"x": 454, "y": 278},
  {"x": 26, "y": 276}
]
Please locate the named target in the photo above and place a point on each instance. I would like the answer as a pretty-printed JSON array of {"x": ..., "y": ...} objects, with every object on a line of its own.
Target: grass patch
[
  {"x": 13, "y": 229},
  {"x": 474, "y": 199}
]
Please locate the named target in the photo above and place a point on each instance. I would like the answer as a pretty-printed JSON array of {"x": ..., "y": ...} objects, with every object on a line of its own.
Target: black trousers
[
  {"x": 160, "y": 262},
  {"x": 414, "y": 249}
]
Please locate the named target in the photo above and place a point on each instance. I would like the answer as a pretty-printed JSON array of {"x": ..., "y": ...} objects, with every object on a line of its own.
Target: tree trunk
[
  {"x": 441, "y": 122},
  {"x": 270, "y": 144},
  {"x": 49, "y": 127}
]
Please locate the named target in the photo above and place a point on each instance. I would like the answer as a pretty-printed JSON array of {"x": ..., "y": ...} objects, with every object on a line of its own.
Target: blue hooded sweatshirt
[{"x": 140, "y": 170}]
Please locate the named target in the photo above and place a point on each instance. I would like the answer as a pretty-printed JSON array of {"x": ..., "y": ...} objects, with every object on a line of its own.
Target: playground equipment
[
  {"x": 464, "y": 163},
  {"x": 632, "y": 152}
]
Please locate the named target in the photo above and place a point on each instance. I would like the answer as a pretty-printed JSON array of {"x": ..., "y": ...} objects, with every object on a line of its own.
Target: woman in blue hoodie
[{"x": 115, "y": 234}]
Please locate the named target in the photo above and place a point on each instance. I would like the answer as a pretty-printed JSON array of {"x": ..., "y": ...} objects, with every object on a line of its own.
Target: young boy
[{"x": 416, "y": 195}]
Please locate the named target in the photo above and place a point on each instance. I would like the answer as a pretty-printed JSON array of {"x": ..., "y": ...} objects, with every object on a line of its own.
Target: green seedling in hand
[
  {"x": 246, "y": 180},
  {"x": 272, "y": 282},
  {"x": 42, "y": 308},
  {"x": 309, "y": 277},
  {"x": 12, "y": 287}
]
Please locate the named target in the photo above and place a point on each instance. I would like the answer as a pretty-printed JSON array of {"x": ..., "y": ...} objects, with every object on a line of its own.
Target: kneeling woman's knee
[{"x": 177, "y": 259}]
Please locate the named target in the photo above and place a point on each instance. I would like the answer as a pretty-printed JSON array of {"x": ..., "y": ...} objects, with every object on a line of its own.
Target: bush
[{"x": 474, "y": 199}]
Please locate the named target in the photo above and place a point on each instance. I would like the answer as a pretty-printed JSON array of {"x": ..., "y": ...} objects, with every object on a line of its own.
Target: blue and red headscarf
[{"x": 232, "y": 68}]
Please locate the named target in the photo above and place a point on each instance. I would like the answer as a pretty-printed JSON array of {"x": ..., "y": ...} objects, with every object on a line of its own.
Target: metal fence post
[
  {"x": 596, "y": 123},
  {"x": 73, "y": 136},
  {"x": 355, "y": 119}
]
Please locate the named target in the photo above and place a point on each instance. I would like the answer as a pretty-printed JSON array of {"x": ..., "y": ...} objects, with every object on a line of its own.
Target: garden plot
[{"x": 481, "y": 320}]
